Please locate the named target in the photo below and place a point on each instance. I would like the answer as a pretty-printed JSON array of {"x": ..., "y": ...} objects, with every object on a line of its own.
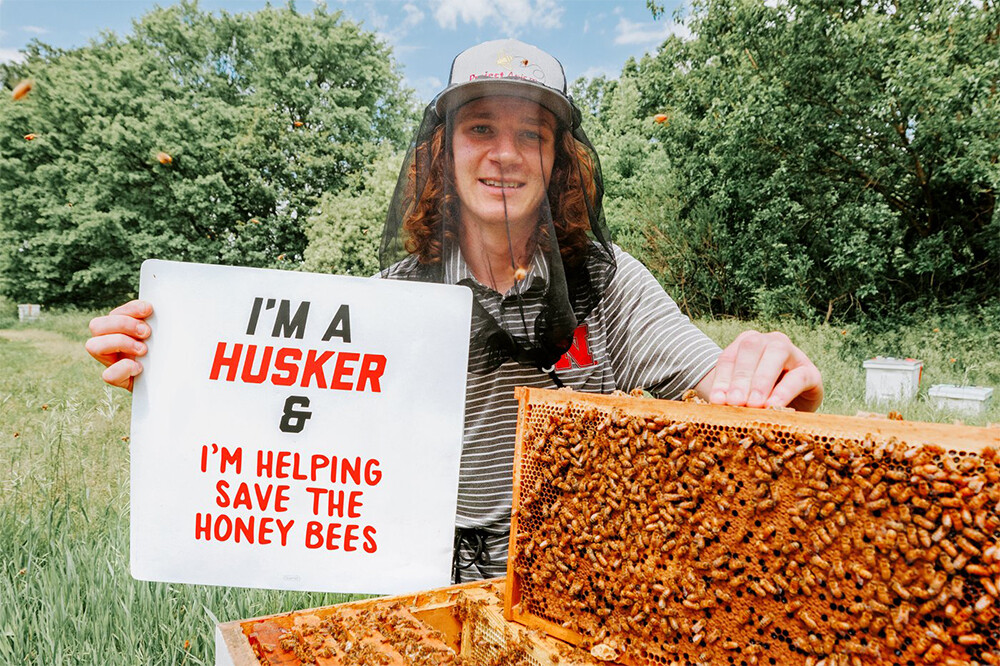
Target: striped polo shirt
[{"x": 636, "y": 337}]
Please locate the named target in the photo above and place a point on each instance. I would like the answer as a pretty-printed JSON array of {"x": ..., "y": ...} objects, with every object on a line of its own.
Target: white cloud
[
  {"x": 632, "y": 32},
  {"x": 413, "y": 15},
  {"x": 515, "y": 14},
  {"x": 11, "y": 55},
  {"x": 393, "y": 28},
  {"x": 425, "y": 86},
  {"x": 34, "y": 29},
  {"x": 606, "y": 72}
]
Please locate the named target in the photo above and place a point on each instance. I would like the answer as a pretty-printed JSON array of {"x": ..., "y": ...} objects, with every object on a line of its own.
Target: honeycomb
[
  {"x": 462, "y": 625},
  {"x": 665, "y": 533},
  {"x": 386, "y": 634}
]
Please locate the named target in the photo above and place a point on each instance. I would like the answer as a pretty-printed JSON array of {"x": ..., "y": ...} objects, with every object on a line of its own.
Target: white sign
[{"x": 297, "y": 431}]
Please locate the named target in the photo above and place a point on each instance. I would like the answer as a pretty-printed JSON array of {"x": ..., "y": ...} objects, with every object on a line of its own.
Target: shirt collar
[{"x": 457, "y": 271}]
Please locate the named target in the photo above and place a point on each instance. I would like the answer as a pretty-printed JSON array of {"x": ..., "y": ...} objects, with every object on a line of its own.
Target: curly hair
[{"x": 433, "y": 202}]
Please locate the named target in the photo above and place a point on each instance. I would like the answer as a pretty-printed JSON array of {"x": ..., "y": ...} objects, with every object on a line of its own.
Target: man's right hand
[{"x": 117, "y": 341}]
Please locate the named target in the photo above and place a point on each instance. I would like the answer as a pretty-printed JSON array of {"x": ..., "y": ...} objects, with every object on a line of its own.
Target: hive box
[
  {"x": 469, "y": 618},
  {"x": 971, "y": 400},
  {"x": 891, "y": 379},
  {"x": 28, "y": 311}
]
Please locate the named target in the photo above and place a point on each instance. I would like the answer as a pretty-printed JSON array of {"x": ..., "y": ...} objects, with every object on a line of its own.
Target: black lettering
[
  {"x": 254, "y": 314},
  {"x": 340, "y": 326},
  {"x": 294, "y": 419},
  {"x": 288, "y": 326}
]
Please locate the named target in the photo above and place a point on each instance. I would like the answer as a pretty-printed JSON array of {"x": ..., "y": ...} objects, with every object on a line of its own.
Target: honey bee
[{"x": 22, "y": 89}]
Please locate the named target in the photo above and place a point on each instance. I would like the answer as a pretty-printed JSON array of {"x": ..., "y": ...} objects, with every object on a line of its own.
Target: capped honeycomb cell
[{"x": 694, "y": 534}]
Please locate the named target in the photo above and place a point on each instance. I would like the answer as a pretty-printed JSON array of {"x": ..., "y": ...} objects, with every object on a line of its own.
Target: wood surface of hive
[
  {"x": 383, "y": 634},
  {"x": 669, "y": 533},
  {"x": 462, "y": 625}
]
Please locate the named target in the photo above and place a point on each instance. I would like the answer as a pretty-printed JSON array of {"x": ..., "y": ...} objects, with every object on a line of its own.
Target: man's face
[{"x": 504, "y": 148}]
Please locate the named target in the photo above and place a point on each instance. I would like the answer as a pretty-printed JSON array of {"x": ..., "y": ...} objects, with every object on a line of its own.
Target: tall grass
[{"x": 66, "y": 596}]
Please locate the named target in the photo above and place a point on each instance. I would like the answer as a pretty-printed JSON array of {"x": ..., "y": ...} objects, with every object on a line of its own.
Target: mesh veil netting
[{"x": 423, "y": 226}]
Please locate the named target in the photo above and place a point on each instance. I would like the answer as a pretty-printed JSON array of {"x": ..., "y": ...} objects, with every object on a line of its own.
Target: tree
[
  {"x": 345, "y": 228},
  {"x": 197, "y": 137},
  {"x": 826, "y": 157}
]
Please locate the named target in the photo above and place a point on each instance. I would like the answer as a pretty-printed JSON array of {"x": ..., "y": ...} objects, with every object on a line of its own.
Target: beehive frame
[
  {"x": 468, "y": 617},
  {"x": 667, "y": 532}
]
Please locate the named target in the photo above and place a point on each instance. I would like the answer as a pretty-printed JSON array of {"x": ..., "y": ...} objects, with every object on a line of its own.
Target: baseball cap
[{"x": 507, "y": 67}]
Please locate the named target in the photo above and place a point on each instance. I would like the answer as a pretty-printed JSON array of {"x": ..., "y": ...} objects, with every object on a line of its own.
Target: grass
[
  {"x": 66, "y": 596},
  {"x": 955, "y": 349}
]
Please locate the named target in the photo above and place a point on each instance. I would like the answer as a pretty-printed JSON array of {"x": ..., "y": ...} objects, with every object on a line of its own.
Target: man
[{"x": 501, "y": 192}]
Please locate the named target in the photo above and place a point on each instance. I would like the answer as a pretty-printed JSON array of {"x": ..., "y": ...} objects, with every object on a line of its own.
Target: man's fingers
[
  {"x": 122, "y": 373},
  {"x": 138, "y": 309},
  {"x": 111, "y": 347},
  {"x": 777, "y": 357},
  {"x": 801, "y": 385},
  {"x": 750, "y": 349},
  {"x": 724, "y": 369},
  {"x": 119, "y": 323}
]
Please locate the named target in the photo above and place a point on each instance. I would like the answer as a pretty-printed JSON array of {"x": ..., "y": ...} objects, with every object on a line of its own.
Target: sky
[{"x": 590, "y": 37}]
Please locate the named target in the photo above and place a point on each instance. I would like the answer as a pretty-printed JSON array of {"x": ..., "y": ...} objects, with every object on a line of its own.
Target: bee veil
[{"x": 501, "y": 192}]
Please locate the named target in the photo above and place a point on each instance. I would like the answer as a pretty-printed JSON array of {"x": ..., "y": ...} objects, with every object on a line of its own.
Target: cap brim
[{"x": 455, "y": 96}]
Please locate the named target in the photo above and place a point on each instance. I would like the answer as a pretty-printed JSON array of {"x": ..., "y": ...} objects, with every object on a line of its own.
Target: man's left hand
[{"x": 763, "y": 370}]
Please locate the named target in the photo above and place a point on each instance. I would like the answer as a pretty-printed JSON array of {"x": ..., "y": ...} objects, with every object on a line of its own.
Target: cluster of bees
[
  {"x": 666, "y": 542},
  {"x": 381, "y": 635}
]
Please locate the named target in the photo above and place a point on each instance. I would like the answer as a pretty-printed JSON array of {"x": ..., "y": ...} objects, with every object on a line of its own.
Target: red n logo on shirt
[{"x": 579, "y": 352}]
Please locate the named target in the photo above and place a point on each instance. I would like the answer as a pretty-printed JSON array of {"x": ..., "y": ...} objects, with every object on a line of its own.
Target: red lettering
[
  {"x": 223, "y": 528},
  {"x": 281, "y": 364},
  {"x": 265, "y": 463},
  {"x": 316, "y": 463},
  {"x": 234, "y": 458},
  {"x": 244, "y": 527},
  {"x": 349, "y": 538},
  {"x": 354, "y": 471},
  {"x": 230, "y": 362},
  {"x": 332, "y": 536},
  {"x": 328, "y": 536},
  {"x": 250, "y": 529},
  {"x": 296, "y": 474},
  {"x": 263, "y": 530},
  {"x": 202, "y": 530},
  {"x": 222, "y": 499},
  {"x": 314, "y": 534},
  {"x": 283, "y": 530},
  {"x": 248, "y": 375},
  {"x": 281, "y": 499},
  {"x": 242, "y": 497},
  {"x": 371, "y": 371},
  {"x": 579, "y": 352},
  {"x": 353, "y": 505},
  {"x": 335, "y": 501},
  {"x": 340, "y": 370},
  {"x": 283, "y": 464},
  {"x": 372, "y": 473},
  {"x": 314, "y": 368}
]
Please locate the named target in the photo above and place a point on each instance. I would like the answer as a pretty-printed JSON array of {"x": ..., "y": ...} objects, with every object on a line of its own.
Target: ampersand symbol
[{"x": 294, "y": 419}]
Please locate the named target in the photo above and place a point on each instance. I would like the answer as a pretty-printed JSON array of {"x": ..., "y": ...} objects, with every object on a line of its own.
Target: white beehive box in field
[
  {"x": 28, "y": 311},
  {"x": 971, "y": 400},
  {"x": 891, "y": 379}
]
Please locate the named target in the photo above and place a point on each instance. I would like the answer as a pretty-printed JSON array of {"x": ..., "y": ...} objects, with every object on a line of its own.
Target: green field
[{"x": 66, "y": 596}]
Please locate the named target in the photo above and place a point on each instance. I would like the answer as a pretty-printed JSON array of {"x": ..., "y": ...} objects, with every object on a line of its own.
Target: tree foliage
[
  {"x": 819, "y": 156},
  {"x": 346, "y": 227},
  {"x": 197, "y": 137}
]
